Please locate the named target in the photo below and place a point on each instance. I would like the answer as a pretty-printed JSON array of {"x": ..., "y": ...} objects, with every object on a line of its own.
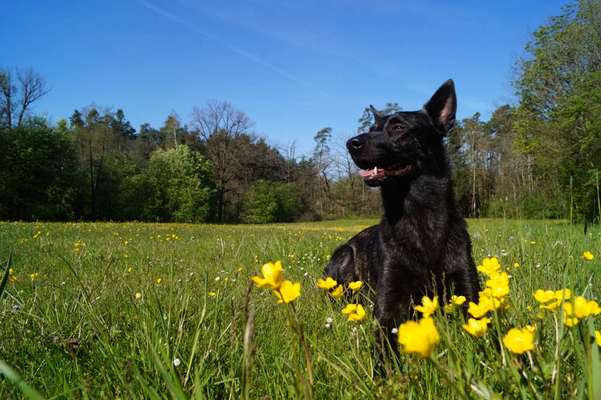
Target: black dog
[{"x": 421, "y": 246}]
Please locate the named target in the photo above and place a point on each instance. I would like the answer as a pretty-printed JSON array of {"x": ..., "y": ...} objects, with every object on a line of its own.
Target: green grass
[{"x": 78, "y": 331}]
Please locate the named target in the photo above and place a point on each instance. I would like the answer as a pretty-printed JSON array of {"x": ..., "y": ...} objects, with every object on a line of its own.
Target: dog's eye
[{"x": 397, "y": 128}]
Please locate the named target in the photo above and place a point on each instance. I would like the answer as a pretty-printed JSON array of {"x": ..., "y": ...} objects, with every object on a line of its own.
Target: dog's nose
[{"x": 354, "y": 144}]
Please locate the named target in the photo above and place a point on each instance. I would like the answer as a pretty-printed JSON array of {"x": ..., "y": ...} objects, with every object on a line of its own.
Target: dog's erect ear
[
  {"x": 378, "y": 116},
  {"x": 442, "y": 107}
]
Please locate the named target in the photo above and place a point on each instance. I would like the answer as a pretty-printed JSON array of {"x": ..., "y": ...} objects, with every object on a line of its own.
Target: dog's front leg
[
  {"x": 342, "y": 265},
  {"x": 390, "y": 310}
]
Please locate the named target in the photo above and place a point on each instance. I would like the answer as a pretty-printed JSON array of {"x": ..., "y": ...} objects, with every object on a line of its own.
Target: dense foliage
[{"x": 537, "y": 158}]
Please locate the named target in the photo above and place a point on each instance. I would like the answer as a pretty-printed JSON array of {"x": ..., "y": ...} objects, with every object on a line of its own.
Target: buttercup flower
[
  {"x": 544, "y": 296},
  {"x": 486, "y": 302},
  {"x": 563, "y": 294},
  {"x": 588, "y": 256},
  {"x": 428, "y": 306},
  {"x": 418, "y": 337},
  {"x": 598, "y": 338},
  {"x": 138, "y": 295},
  {"x": 77, "y": 247},
  {"x": 288, "y": 292},
  {"x": 355, "y": 286},
  {"x": 569, "y": 319},
  {"x": 551, "y": 300},
  {"x": 476, "y": 327},
  {"x": 519, "y": 341},
  {"x": 273, "y": 274},
  {"x": 33, "y": 276},
  {"x": 584, "y": 308},
  {"x": 499, "y": 284},
  {"x": 158, "y": 280},
  {"x": 489, "y": 266},
  {"x": 337, "y": 293},
  {"x": 480, "y": 309},
  {"x": 354, "y": 312},
  {"x": 327, "y": 283},
  {"x": 457, "y": 300}
]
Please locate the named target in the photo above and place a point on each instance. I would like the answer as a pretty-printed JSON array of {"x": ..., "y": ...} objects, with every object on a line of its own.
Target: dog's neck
[{"x": 426, "y": 199}]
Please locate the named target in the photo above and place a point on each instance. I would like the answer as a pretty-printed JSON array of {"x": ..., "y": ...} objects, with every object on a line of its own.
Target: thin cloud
[{"x": 241, "y": 52}]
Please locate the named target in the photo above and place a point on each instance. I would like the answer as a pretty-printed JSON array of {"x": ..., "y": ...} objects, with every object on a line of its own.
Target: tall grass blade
[
  {"x": 15, "y": 378},
  {"x": 6, "y": 273}
]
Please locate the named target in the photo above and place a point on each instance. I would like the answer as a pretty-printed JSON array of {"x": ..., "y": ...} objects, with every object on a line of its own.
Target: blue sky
[{"x": 293, "y": 66}]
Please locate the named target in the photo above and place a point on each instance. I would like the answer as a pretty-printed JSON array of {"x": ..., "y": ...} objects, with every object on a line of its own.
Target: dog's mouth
[{"x": 377, "y": 175}]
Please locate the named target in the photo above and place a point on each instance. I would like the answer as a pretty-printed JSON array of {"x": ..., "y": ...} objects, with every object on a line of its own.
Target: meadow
[{"x": 141, "y": 310}]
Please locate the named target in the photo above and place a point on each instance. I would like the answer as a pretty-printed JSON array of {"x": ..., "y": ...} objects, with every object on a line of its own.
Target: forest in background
[{"x": 537, "y": 158}]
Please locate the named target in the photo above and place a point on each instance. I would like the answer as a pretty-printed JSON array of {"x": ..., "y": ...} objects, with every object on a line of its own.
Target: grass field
[{"x": 131, "y": 310}]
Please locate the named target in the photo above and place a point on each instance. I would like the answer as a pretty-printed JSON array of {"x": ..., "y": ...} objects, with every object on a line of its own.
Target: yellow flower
[
  {"x": 516, "y": 265},
  {"x": 33, "y": 276},
  {"x": 327, "y": 283},
  {"x": 355, "y": 286},
  {"x": 489, "y": 266},
  {"x": 598, "y": 338},
  {"x": 354, "y": 312},
  {"x": 211, "y": 293},
  {"x": 158, "y": 280},
  {"x": 544, "y": 296},
  {"x": 519, "y": 341},
  {"x": 288, "y": 292},
  {"x": 418, "y": 337},
  {"x": 584, "y": 308},
  {"x": 77, "y": 246},
  {"x": 551, "y": 300},
  {"x": 273, "y": 274},
  {"x": 499, "y": 284},
  {"x": 12, "y": 275},
  {"x": 138, "y": 295},
  {"x": 569, "y": 319},
  {"x": 563, "y": 294},
  {"x": 480, "y": 309},
  {"x": 458, "y": 300},
  {"x": 476, "y": 327},
  {"x": 428, "y": 306},
  {"x": 588, "y": 256},
  {"x": 337, "y": 293}
]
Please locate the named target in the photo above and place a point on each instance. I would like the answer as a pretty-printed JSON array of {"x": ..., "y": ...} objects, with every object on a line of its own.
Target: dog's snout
[{"x": 354, "y": 143}]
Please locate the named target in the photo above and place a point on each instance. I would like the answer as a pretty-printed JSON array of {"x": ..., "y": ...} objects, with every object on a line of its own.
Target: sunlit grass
[{"x": 160, "y": 310}]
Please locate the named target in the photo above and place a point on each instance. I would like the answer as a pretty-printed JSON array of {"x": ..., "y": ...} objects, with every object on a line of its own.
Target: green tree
[
  {"x": 181, "y": 186},
  {"x": 267, "y": 202},
  {"x": 38, "y": 172}
]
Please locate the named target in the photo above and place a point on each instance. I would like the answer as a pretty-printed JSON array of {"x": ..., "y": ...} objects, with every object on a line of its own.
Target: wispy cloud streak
[{"x": 241, "y": 52}]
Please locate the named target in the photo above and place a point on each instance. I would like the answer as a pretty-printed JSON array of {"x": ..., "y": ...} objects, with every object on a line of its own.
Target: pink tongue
[{"x": 372, "y": 173}]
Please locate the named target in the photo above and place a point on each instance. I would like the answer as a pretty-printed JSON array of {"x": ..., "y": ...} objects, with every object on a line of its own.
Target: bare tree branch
[
  {"x": 17, "y": 97},
  {"x": 32, "y": 87}
]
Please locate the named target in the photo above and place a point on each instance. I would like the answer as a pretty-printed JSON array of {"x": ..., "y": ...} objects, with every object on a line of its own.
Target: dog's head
[{"x": 404, "y": 144}]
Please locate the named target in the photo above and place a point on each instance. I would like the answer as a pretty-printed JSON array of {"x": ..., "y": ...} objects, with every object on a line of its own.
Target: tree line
[
  {"x": 96, "y": 166},
  {"x": 537, "y": 158}
]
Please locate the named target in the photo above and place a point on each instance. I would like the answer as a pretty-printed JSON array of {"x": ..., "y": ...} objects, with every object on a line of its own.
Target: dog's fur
[{"x": 421, "y": 246}]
